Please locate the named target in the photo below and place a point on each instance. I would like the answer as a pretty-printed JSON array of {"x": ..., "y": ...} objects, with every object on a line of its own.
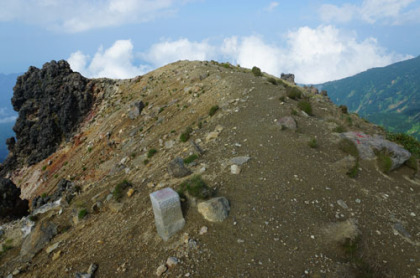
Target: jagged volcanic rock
[{"x": 51, "y": 102}]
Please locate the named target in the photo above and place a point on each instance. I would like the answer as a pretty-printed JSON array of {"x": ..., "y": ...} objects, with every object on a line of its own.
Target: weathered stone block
[{"x": 168, "y": 214}]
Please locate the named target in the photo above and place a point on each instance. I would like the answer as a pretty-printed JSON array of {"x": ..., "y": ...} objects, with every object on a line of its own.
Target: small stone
[
  {"x": 413, "y": 214},
  {"x": 51, "y": 248},
  {"x": 342, "y": 204},
  {"x": 92, "y": 269},
  {"x": 16, "y": 272},
  {"x": 358, "y": 201},
  {"x": 177, "y": 169},
  {"x": 203, "y": 230},
  {"x": 56, "y": 255},
  {"x": 161, "y": 269},
  {"x": 130, "y": 192},
  {"x": 171, "y": 262},
  {"x": 235, "y": 169},
  {"x": 115, "y": 207},
  {"x": 239, "y": 160}
]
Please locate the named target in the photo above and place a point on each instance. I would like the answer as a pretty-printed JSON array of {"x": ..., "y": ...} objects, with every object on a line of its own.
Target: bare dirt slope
[{"x": 294, "y": 211}]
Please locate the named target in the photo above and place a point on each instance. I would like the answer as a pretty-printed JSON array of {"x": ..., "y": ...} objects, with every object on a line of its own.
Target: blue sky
[{"x": 316, "y": 40}]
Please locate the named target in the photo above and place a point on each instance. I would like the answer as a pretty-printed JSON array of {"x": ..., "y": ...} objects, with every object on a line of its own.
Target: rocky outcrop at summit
[{"x": 51, "y": 102}]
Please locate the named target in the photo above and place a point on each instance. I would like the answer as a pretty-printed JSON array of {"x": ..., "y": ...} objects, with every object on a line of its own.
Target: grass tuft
[
  {"x": 305, "y": 106},
  {"x": 196, "y": 187},
  {"x": 185, "y": 136},
  {"x": 349, "y": 147},
  {"x": 190, "y": 159},
  {"x": 213, "y": 110},
  {"x": 82, "y": 214}
]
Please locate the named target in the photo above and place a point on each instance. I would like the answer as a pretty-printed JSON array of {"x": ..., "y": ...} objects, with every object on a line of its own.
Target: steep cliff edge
[{"x": 51, "y": 102}]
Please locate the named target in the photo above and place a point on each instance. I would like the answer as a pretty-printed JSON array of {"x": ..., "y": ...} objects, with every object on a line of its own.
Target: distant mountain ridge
[{"x": 388, "y": 96}]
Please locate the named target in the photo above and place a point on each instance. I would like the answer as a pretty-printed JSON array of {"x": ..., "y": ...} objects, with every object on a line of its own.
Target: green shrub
[
  {"x": 343, "y": 109},
  {"x": 412, "y": 163},
  {"x": 44, "y": 167},
  {"x": 213, "y": 110},
  {"x": 151, "y": 153},
  {"x": 294, "y": 112},
  {"x": 293, "y": 92},
  {"x": 82, "y": 214},
  {"x": 305, "y": 106},
  {"x": 352, "y": 173},
  {"x": 256, "y": 71},
  {"x": 339, "y": 129},
  {"x": 196, "y": 187},
  {"x": 185, "y": 136},
  {"x": 89, "y": 149},
  {"x": 282, "y": 98},
  {"x": 384, "y": 162},
  {"x": 146, "y": 161},
  {"x": 349, "y": 147},
  {"x": 117, "y": 193},
  {"x": 409, "y": 143},
  {"x": 313, "y": 143},
  {"x": 272, "y": 80},
  {"x": 190, "y": 159}
]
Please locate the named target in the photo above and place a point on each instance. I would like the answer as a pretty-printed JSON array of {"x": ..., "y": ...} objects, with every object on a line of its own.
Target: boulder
[
  {"x": 11, "y": 205},
  {"x": 367, "y": 145},
  {"x": 214, "y": 210},
  {"x": 37, "y": 240},
  {"x": 177, "y": 169},
  {"x": 287, "y": 122}
]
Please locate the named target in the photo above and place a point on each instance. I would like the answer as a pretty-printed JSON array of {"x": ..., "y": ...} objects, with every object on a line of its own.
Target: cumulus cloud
[
  {"x": 81, "y": 15},
  {"x": 314, "y": 55},
  {"x": 170, "y": 51},
  {"x": 6, "y": 120},
  {"x": 114, "y": 62},
  {"x": 370, "y": 11}
]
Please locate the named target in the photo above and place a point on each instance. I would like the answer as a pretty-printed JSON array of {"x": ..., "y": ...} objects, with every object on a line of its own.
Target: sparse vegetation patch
[
  {"x": 256, "y": 71},
  {"x": 305, "y": 106},
  {"x": 349, "y": 147},
  {"x": 196, "y": 187},
  {"x": 185, "y": 136},
  {"x": 213, "y": 110}
]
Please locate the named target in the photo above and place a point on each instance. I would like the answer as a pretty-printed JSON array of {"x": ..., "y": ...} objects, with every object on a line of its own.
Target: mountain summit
[{"x": 274, "y": 179}]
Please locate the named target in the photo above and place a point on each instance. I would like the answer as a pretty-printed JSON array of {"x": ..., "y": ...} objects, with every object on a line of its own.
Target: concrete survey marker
[{"x": 168, "y": 214}]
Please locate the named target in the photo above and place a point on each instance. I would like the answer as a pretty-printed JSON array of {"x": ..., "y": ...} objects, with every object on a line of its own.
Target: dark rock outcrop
[
  {"x": 51, "y": 102},
  {"x": 65, "y": 188},
  {"x": 11, "y": 205},
  {"x": 289, "y": 77}
]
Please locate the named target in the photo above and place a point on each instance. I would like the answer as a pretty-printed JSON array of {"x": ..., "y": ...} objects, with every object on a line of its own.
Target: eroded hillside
[{"x": 301, "y": 206}]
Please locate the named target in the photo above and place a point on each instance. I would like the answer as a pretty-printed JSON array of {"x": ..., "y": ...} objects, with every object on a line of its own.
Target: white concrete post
[{"x": 167, "y": 210}]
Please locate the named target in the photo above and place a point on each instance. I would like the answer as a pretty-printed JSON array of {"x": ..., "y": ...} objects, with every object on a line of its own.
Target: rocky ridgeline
[
  {"x": 201, "y": 169},
  {"x": 51, "y": 102}
]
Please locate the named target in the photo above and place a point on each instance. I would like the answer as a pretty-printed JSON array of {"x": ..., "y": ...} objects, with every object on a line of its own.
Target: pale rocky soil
[{"x": 291, "y": 208}]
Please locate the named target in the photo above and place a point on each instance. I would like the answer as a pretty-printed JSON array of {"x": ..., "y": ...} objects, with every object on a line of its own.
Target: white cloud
[
  {"x": 114, "y": 62},
  {"x": 82, "y": 15},
  {"x": 314, "y": 55},
  {"x": 170, "y": 51},
  {"x": 272, "y": 6},
  {"x": 6, "y": 120},
  {"x": 370, "y": 11}
]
